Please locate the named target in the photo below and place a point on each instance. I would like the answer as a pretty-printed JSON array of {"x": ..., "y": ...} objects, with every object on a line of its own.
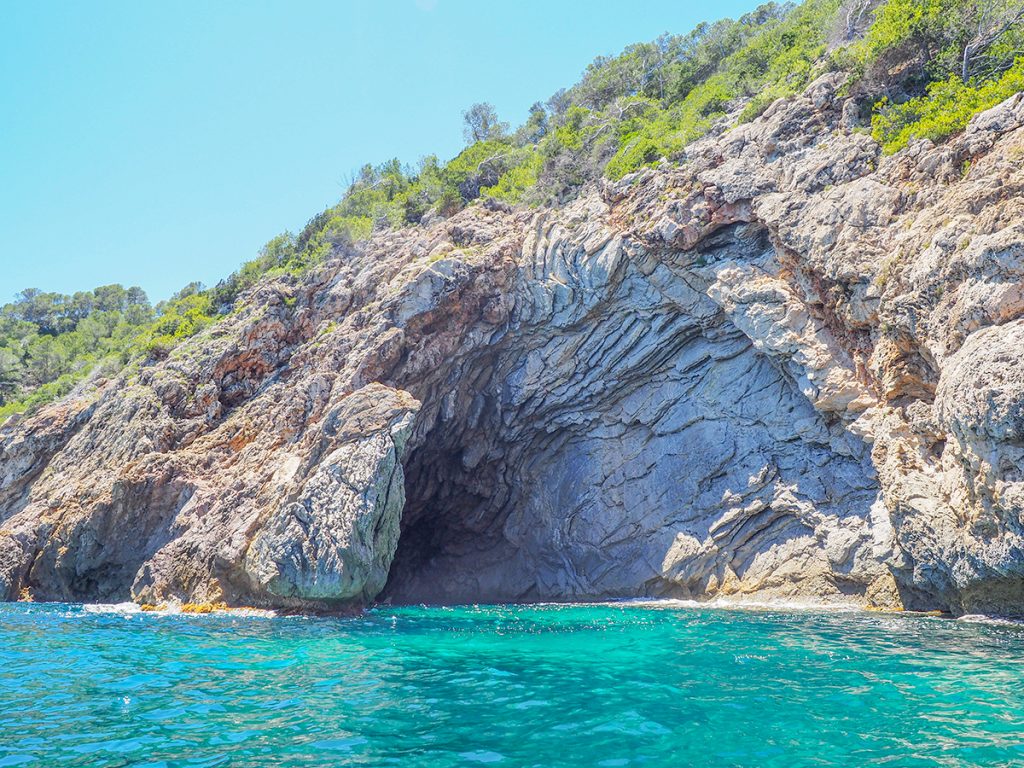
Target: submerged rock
[{"x": 788, "y": 368}]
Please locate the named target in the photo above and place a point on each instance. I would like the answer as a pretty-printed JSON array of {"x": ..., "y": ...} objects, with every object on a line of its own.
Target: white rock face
[{"x": 788, "y": 368}]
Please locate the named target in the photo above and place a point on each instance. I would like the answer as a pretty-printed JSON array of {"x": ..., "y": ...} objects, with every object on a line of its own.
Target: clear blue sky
[{"x": 154, "y": 143}]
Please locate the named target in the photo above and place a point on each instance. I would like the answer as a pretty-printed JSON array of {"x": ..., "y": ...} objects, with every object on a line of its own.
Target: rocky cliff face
[{"x": 789, "y": 368}]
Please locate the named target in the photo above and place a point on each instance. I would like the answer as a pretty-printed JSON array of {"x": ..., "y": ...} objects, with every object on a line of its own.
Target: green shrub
[
  {"x": 41, "y": 395},
  {"x": 179, "y": 319},
  {"x": 945, "y": 109},
  {"x": 913, "y": 43},
  {"x": 903, "y": 24},
  {"x": 776, "y": 56},
  {"x": 517, "y": 181}
]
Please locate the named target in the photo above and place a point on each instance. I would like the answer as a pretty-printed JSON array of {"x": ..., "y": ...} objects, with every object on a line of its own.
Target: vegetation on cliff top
[
  {"x": 922, "y": 68},
  {"x": 935, "y": 64}
]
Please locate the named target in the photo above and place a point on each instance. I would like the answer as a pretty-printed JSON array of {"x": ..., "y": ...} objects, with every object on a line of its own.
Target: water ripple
[{"x": 609, "y": 685}]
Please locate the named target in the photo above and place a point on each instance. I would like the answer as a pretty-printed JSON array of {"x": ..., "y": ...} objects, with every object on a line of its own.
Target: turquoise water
[{"x": 617, "y": 685}]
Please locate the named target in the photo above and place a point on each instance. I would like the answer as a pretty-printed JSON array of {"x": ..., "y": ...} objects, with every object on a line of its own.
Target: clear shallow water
[{"x": 511, "y": 686}]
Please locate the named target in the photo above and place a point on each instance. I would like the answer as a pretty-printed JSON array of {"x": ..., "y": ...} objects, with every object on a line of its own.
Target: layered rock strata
[{"x": 789, "y": 368}]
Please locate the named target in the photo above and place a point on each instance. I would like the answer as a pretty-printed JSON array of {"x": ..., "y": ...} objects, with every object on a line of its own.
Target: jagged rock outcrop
[{"x": 789, "y": 367}]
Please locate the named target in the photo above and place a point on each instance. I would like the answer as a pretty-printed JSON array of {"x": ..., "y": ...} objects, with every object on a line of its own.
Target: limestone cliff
[{"x": 790, "y": 367}]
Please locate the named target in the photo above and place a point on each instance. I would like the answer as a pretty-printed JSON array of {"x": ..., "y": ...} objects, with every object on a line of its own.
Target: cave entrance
[{"x": 450, "y": 525}]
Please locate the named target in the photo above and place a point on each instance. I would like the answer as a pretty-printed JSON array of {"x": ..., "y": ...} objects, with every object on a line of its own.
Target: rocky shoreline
[{"x": 790, "y": 368}]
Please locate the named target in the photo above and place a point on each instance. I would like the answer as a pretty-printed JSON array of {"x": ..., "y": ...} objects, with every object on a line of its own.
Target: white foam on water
[
  {"x": 741, "y": 604},
  {"x": 121, "y": 609},
  {"x": 978, "y": 618},
  {"x": 172, "y": 609}
]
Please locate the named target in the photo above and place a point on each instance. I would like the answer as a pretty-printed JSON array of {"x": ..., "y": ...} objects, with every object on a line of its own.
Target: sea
[{"x": 613, "y": 684}]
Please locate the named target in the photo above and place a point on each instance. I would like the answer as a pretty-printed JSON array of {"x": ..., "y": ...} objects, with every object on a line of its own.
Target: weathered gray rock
[
  {"x": 333, "y": 540},
  {"x": 788, "y": 368}
]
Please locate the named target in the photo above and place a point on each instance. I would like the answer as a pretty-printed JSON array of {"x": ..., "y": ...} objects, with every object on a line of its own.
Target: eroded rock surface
[{"x": 790, "y": 367}]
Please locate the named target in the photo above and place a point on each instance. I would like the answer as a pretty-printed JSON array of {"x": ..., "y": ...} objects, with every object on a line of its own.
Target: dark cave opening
[{"x": 447, "y": 522}]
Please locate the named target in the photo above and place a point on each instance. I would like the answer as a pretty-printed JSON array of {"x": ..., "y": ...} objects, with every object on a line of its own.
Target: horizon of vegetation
[{"x": 921, "y": 68}]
